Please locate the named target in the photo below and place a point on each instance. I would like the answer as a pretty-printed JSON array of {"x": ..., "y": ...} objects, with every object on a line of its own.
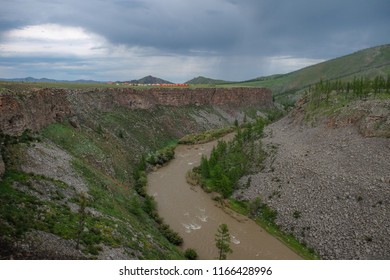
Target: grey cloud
[
  {"x": 303, "y": 27},
  {"x": 223, "y": 26},
  {"x": 226, "y": 29},
  {"x": 169, "y": 25}
]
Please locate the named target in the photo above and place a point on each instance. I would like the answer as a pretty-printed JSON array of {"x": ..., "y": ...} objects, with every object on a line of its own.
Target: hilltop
[
  {"x": 205, "y": 81},
  {"x": 150, "y": 80}
]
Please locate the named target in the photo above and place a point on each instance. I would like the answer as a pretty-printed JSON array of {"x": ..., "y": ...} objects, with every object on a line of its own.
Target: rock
[{"x": 74, "y": 122}]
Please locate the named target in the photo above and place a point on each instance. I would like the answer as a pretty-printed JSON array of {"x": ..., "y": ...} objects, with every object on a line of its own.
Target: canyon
[
  {"x": 58, "y": 143},
  {"x": 326, "y": 174}
]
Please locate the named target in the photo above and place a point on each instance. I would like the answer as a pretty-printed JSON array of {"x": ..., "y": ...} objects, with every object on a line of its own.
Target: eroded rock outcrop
[
  {"x": 37, "y": 108},
  {"x": 32, "y": 110}
]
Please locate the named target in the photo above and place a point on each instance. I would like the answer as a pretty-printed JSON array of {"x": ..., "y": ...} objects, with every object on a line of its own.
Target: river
[{"x": 195, "y": 216}]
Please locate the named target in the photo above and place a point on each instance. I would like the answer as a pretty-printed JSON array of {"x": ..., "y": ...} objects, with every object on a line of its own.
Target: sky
[{"x": 180, "y": 39}]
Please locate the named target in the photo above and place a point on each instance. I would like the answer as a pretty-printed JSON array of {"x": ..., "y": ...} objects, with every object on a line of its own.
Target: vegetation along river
[{"x": 196, "y": 216}]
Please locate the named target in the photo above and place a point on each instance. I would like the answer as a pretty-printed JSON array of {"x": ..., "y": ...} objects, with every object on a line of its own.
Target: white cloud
[{"x": 51, "y": 40}]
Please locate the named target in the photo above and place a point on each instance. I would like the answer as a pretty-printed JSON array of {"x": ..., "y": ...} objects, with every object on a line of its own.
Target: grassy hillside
[
  {"x": 205, "y": 81},
  {"x": 367, "y": 63}
]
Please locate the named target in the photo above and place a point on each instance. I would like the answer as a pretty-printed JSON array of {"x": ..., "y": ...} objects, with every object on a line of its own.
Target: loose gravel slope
[{"x": 330, "y": 187}]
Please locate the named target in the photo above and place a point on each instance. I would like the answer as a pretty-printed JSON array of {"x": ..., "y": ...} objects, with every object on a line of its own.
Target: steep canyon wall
[{"x": 37, "y": 108}]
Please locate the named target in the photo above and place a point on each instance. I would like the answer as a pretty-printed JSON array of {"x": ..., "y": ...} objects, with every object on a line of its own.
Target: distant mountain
[
  {"x": 45, "y": 80},
  {"x": 367, "y": 63},
  {"x": 205, "y": 81},
  {"x": 150, "y": 80}
]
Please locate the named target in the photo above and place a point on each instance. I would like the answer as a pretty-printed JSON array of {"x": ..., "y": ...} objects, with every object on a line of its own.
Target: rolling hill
[
  {"x": 368, "y": 62},
  {"x": 205, "y": 81},
  {"x": 150, "y": 80},
  {"x": 45, "y": 80}
]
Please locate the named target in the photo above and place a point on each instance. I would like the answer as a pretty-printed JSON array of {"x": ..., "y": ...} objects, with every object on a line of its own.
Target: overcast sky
[{"x": 181, "y": 39}]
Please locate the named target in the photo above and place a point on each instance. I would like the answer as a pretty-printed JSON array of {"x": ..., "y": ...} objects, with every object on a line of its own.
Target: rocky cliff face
[
  {"x": 36, "y": 109},
  {"x": 33, "y": 110}
]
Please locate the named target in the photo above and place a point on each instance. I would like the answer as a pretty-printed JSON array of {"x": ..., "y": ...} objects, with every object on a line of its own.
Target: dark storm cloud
[
  {"x": 284, "y": 26},
  {"x": 231, "y": 30},
  {"x": 319, "y": 28}
]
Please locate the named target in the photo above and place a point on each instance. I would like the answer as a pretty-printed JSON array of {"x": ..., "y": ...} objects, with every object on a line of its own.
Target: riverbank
[
  {"x": 196, "y": 216},
  {"x": 227, "y": 163},
  {"x": 291, "y": 241}
]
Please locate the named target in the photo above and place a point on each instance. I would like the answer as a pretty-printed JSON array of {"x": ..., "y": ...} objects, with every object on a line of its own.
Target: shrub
[
  {"x": 172, "y": 236},
  {"x": 297, "y": 214},
  {"x": 190, "y": 254}
]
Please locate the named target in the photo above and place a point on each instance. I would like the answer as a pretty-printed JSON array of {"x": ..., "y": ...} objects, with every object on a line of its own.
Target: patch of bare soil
[{"x": 45, "y": 158}]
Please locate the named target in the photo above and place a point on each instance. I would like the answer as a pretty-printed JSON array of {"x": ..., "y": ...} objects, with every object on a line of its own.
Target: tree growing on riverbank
[
  {"x": 222, "y": 241},
  {"x": 229, "y": 161}
]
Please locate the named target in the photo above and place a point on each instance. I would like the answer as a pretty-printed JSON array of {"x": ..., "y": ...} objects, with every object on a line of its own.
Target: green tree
[
  {"x": 204, "y": 167},
  {"x": 222, "y": 241},
  {"x": 224, "y": 185}
]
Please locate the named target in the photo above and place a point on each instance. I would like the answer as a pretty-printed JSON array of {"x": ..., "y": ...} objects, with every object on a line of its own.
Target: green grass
[
  {"x": 21, "y": 212},
  {"x": 17, "y": 209},
  {"x": 73, "y": 141}
]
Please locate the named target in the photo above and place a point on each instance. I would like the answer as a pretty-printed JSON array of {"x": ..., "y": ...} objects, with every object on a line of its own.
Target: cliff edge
[{"x": 36, "y": 109}]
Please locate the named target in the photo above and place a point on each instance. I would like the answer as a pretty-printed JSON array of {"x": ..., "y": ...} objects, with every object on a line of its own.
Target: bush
[
  {"x": 259, "y": 209},
  {"x": 190, "y": 254},
  {"x": 150, "y": 206},
  {"x": 161, "y": 156},
  {"x": 172, "y": 236}
]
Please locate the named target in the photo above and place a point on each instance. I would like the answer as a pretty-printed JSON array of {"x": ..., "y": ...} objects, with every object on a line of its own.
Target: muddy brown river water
[{"x": 195, "y": 216}]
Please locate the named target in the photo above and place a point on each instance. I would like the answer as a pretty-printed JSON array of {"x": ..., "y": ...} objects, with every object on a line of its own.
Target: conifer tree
[
  {"x": 204, "y": 167},
  {"x": 222, "y": 241}
]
